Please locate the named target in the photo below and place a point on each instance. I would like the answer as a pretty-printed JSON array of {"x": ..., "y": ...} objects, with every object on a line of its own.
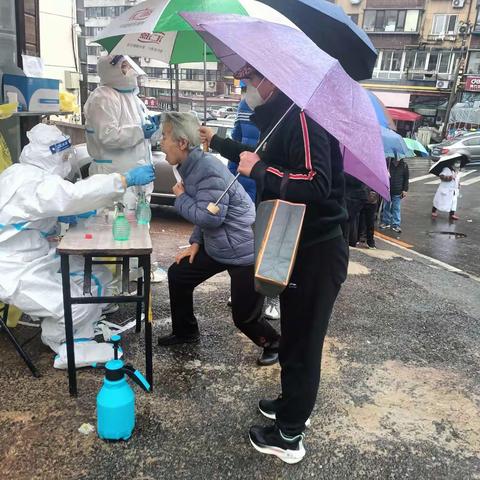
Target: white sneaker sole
[
  {"x": 287, "y": 456},
  {"x": 272, "y": 416}
]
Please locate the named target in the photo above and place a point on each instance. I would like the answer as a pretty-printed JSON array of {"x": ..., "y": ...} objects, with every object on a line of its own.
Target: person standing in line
[
  {"x": 367, "y": 219},
  {"x": 301, "y": 162},
  {"x": 356, "y": 198},
  {"x": 399, "y": 177}
]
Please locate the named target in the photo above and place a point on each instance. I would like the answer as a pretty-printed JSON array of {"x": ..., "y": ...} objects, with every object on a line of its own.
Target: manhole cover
[{"x": 449, "y": 234}]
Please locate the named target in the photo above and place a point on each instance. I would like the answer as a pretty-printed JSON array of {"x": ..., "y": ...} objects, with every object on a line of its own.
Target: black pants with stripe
[
  {"x": 306, "y": 306},
  {"x": 247, "y": 304}
]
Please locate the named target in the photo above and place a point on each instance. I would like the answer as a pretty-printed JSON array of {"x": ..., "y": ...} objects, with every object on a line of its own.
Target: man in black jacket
[
  {"x": 300, "y": 162},
  {"x": 391, "y": 213}
]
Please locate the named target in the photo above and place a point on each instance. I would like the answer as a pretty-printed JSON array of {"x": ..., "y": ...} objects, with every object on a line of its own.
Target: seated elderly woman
[{"x": 218, "y": 242}]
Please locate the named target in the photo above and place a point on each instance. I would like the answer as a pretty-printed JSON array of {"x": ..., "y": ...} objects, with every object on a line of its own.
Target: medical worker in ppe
[
  {"x": 33, "y": 194},
  {"x": 118, "y": 125}
]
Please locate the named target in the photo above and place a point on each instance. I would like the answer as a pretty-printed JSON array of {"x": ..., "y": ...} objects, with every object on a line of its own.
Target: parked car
[
  {"x": 468, "y": 144},
  {"x": 224, "y": 111},
  {"x": 165, "y": 178}
]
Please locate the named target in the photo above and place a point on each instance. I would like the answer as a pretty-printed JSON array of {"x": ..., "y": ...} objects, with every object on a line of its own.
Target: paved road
[
  {"x": 455, "y": 243},
  {"x": 400, "y": 393}
]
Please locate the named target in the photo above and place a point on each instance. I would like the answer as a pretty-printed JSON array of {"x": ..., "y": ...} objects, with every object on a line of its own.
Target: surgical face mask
[{"x": 252, "y": 95}]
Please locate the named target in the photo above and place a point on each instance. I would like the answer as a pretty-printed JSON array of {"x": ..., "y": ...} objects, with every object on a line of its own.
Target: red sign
[
  {"x": 141, "y": 15},
  {"x": 472, "y": 83},
  {"x": 150, "y": 102}
]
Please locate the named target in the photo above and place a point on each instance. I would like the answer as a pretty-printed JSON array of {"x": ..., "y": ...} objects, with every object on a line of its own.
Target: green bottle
[
  {"x": 143, "y": 212},
  {"x": 121, "y": 227}
]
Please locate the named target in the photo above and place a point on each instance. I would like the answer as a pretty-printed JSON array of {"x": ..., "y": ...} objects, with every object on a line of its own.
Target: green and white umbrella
[{"x": 153, "y": 29}]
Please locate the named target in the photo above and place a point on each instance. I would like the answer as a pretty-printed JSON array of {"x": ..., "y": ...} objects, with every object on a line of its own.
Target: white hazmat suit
[
  {"x": 115, "y": 120},
  {"x": 33, "y": 193}
]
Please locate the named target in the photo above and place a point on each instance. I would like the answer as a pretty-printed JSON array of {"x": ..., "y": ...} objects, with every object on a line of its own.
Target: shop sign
[{"x": 472, "y": 83}]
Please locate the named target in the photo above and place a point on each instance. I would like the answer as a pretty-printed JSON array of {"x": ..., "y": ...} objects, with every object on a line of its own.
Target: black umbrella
[
  {"x": 447, "y": 162},
  {"x": 333, "y": 31}
]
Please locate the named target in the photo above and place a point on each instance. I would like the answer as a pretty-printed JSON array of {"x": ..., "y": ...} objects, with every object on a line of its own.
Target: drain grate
[{"x": 454, "y": 235}]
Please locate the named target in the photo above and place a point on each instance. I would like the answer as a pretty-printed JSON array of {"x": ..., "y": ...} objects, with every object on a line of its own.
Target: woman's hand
[{"x": 190, "y": 252}]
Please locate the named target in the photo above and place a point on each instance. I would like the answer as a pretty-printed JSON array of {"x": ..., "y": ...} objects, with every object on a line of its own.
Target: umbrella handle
[{"x": 213, "y": 208}]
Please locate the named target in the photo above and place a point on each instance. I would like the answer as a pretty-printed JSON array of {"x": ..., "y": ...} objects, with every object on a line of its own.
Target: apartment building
[{"x": 419, "y": 43}]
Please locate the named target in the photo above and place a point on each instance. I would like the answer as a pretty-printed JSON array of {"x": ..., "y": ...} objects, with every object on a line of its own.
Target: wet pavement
[
  {"x": 455, "y": 243},
  {"x": 399, "y": 398}
]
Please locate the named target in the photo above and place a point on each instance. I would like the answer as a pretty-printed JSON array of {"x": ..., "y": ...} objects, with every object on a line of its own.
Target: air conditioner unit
[
  {"x": 443, "y": 84},
  {"x": 458, "y": 3}
]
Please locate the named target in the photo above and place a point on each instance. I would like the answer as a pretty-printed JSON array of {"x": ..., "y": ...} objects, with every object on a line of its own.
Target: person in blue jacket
[{"x": 244, "y": 131}]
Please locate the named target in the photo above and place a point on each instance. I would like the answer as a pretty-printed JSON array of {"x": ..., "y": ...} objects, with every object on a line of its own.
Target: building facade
[{"x": 419, "y": 43}]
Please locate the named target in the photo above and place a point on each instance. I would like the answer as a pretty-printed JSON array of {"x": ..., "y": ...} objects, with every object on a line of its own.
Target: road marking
[
  {"x": 444, "y": 265},
  {"x": 462, "y": 174},
  {"x": 393, "y": 240},
  {"x": 423, "y": 177},
  {"x": 470, "y": 182}
]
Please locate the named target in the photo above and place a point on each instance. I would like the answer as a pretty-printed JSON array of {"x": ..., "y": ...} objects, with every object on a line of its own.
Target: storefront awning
[{"x": 406, "y": 115}]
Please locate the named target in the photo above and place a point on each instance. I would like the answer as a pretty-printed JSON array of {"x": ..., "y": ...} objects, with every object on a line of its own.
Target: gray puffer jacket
[{"x": 228, "y": 236}]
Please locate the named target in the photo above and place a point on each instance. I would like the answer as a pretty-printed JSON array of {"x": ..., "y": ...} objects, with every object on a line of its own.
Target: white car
[{"x": 225, "y": 111}]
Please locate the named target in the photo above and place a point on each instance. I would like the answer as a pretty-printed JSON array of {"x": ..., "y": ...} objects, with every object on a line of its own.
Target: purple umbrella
[{"x": 311, "y": 78}]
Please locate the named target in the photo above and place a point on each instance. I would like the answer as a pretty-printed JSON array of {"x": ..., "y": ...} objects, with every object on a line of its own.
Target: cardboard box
[{"x": 34, "y": 94}]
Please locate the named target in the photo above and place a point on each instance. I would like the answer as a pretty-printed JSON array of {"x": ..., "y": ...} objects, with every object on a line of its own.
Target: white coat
[
  {"x": 31, "y": 199},
  {"x": 446, "y": 197}
]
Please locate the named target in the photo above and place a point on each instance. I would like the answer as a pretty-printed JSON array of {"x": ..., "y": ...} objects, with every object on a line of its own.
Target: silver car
[{"x": 468, "y": 145}]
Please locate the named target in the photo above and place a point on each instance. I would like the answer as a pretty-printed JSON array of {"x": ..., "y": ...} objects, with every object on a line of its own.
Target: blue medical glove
[
  {"x": 149, "y": 129},
  {"x": 70, "y": 219},
  {"x": 89, "y": 214},
  {"x": 140, "y": 175},
  {"x": 155, "y": 119}
]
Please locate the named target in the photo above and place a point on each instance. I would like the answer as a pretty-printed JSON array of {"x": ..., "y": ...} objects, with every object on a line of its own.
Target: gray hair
[{"x": 184, "y": 126}]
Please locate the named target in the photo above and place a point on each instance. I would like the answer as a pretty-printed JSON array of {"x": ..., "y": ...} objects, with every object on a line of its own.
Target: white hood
[
  {"x": 112, "y": 75},
  {"x": 49, "y": 150}
]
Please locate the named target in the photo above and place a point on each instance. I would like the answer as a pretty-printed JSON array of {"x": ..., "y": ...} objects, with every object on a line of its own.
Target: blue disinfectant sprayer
[{"x": 116, "y": 399}]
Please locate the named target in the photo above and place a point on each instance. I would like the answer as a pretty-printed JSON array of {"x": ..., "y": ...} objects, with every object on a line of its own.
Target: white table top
[{"x": 102, "y": 242}]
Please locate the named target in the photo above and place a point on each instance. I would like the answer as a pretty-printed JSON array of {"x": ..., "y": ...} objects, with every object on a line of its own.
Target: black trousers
[
  {"x": 247, "y": 304},
  {"x": 367, "y": 222},
  {"x": 306, "y": 305},
  {"x": 350, "y": 229}
]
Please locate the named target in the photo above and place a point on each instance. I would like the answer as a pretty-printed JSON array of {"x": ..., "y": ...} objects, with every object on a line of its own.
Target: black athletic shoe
[
  {"x": 272, "y": 441},
  {"x": 269, "y": 408},
  {"x": 172, "y": 339},
  {"x": 268, "y": 357}
]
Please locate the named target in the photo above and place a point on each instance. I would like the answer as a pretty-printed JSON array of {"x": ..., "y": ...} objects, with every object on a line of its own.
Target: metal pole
[
  {"x": 204, "y": 82},
  {"x": 171, "y": 86},
  {"x": 453, "y": 91},
  {"x": 177, "y": 88}
]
